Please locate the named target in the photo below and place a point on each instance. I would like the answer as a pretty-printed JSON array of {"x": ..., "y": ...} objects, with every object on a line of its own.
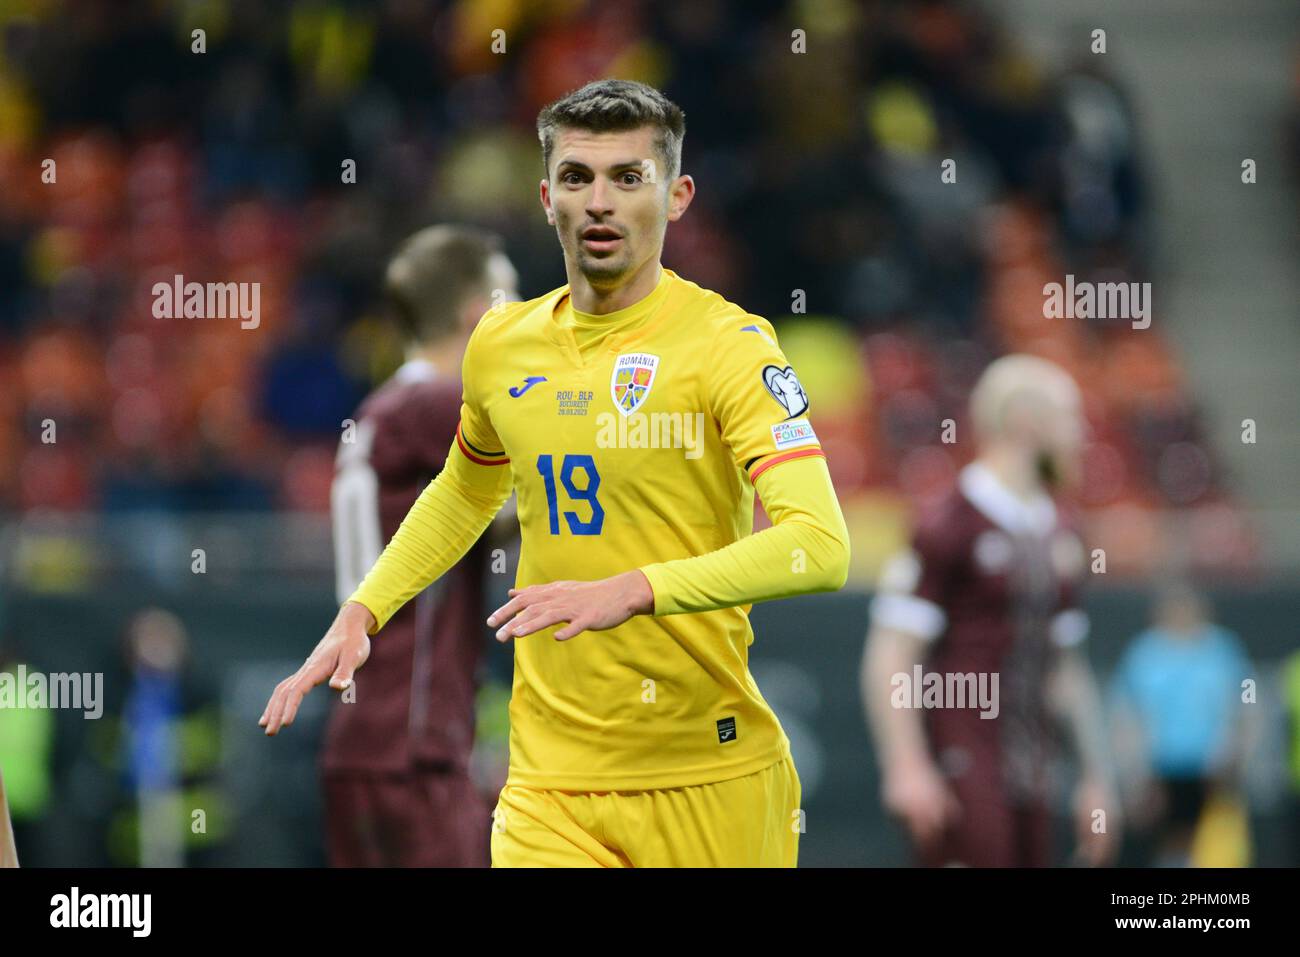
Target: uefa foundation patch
[{"x": 788, "y": 435}]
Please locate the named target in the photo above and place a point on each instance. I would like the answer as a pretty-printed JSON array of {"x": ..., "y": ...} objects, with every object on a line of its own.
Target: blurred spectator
[
  {"x": 166, "y": 753},
  {"x": 1180, "y": 721},
  {"x": 157, "y": 647}
]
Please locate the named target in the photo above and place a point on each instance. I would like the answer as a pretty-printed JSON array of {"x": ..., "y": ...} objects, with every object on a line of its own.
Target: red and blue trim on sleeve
[{"x": 477, "y": 455}]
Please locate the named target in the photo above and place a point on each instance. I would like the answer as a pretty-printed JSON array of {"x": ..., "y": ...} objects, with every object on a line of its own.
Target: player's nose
[{"x": 600, "y": 199}]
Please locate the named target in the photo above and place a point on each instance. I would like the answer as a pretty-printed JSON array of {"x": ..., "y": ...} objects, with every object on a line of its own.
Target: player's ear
[
  {"x": 680, "y": 195},
  {"x": 545, "y": 190}
]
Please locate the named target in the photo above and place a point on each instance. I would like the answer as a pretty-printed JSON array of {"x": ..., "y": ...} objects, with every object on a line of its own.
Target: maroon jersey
[
  {"x": 992, "y": 581},
  {"x": 415, "y": 694}
]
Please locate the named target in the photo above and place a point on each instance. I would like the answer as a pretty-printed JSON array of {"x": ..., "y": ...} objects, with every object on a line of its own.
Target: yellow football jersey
[{"x": 644, "y": 451}]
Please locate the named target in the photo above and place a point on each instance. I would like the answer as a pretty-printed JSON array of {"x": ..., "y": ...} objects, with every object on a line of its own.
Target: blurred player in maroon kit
[
  {"x": 989, "y": 587},
  {"x": 395, "y": 766}
]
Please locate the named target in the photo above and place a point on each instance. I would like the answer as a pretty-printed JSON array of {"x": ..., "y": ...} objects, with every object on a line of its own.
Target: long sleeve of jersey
[
  {"x": 448, "y": 517},
  {"x": 806, "y": 550}
]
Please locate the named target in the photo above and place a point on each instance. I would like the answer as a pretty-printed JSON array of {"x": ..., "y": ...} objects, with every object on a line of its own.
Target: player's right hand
[
  {"x": 343, "y": 650},
  {"x": 916, "y": 793}
]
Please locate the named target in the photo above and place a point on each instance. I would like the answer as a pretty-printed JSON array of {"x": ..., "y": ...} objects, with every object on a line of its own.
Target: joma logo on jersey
[{"x": 630, "y": 383}]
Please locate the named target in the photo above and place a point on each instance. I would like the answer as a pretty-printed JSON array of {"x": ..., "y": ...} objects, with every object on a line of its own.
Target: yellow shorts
[{"x": 751, "y": 821}]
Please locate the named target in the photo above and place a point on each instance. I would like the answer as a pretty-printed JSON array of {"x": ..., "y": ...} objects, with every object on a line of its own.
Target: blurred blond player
[
  {"x": 986, "y": 598},
  {"x": 635, "y": 414}
]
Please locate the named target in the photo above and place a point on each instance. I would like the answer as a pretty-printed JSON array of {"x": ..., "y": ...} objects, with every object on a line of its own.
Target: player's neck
[
  {"x": 445, "y": 355},
  {"x": 601, "y": 302},
  {"x": 1014, "y": 469}
]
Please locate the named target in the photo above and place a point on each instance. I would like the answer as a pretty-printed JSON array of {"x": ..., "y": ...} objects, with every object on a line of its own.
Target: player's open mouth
[{"x": 600, "y": 239}]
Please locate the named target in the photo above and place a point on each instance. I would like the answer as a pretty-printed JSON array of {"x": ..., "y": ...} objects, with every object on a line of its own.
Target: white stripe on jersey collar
[{"x": 1000, "y": 505}]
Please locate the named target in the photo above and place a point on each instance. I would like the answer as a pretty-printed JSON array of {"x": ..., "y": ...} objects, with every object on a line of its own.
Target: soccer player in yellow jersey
[{"x": 635, "y": 414}]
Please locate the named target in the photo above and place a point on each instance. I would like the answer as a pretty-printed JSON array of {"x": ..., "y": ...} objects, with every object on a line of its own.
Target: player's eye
[
  {"x": 631, "y": 179},
  {"x": 570, "y": 178}
]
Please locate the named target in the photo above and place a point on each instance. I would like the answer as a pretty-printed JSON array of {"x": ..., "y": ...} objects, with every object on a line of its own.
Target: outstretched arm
[{"x": 448, "y": 517}]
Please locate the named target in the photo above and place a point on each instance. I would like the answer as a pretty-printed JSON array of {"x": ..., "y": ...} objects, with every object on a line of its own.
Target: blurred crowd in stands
[{"x": 821, "y": 206}]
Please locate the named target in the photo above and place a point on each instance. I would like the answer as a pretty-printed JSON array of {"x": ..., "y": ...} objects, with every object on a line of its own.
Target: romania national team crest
[{"x": 634, "y": 374}]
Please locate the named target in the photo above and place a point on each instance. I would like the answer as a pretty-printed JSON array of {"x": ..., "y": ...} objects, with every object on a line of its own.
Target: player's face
[{"x": 609, "y": 201}]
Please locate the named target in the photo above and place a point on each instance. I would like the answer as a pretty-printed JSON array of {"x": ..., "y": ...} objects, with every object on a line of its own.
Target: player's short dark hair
[
  {"x": 616, "y": 106},
  {"x": 433, "y": 272}
]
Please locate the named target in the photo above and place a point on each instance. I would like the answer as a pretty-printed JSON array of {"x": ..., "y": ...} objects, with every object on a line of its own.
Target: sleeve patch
[
  {"x": 789, "y": 435},
  {"x": 784, "y": 386}
]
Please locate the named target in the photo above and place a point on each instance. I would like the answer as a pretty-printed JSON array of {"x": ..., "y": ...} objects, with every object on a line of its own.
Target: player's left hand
[
  {"x": 581, "y": 606},
  {"x": 1094, "y": 848}
]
